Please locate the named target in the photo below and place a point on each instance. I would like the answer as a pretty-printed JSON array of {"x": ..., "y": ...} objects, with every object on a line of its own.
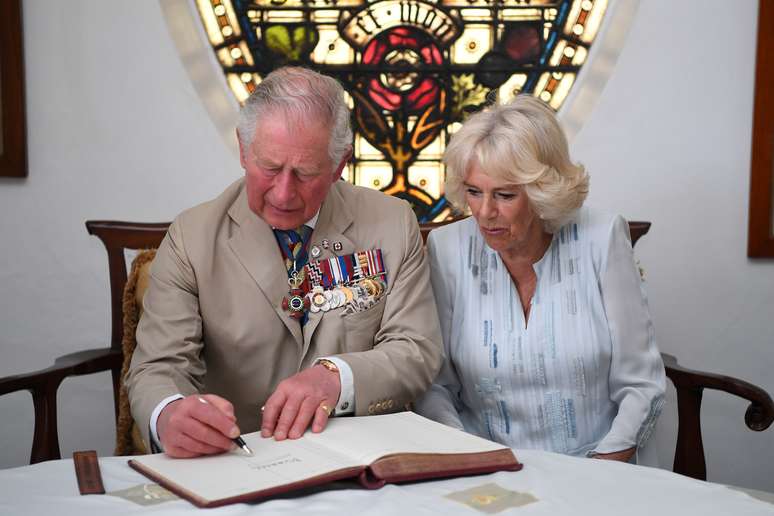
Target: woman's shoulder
[{"x": 594, "y": 224}]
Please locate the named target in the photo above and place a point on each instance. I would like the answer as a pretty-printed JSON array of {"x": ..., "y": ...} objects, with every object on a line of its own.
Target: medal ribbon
[{"x": 342, "y": 270}]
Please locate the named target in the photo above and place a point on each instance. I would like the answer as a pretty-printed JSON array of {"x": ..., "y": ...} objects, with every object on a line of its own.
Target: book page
[
  {"x": 368, "y": 438},
  {"x": 273, "y": 464}
]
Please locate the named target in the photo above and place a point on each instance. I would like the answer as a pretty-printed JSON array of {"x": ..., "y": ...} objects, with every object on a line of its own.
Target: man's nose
[{"x": 285, "y": 187}]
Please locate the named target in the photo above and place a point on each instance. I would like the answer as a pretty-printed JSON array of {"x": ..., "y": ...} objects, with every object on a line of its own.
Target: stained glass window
[{"x": 413, "y": 69}]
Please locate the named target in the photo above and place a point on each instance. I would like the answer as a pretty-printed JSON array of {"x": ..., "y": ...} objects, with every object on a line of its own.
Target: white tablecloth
[{"x": 561, "y": 484}]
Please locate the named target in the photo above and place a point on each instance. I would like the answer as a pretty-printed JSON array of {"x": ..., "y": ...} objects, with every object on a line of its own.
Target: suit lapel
[
  {"x": 335, "y": 218},
  {"x": 255, "y": 246}
]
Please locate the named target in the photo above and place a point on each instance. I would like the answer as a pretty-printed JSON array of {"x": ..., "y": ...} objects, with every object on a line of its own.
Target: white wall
[{"x": 116, "y": 130}]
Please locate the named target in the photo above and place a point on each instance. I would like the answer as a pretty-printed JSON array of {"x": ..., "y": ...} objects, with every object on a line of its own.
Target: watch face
[{"x": 413, "y": 69}]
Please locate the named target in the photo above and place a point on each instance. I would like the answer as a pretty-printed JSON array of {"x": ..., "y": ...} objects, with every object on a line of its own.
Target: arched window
[{"x": 413, "y": 69}]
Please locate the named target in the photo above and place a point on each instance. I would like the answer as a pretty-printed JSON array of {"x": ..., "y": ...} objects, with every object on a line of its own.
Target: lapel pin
[
  {"x": 326, "y": 243},
  {"x": 337, "y": 246},
  {"x": 315, "y": 251}
]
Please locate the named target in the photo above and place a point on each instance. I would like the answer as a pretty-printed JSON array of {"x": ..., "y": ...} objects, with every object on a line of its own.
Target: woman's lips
[{"x": 493, "y": 231}]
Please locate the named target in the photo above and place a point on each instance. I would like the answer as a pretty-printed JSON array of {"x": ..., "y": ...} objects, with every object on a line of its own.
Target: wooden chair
[{"x": 119, "y": 236}]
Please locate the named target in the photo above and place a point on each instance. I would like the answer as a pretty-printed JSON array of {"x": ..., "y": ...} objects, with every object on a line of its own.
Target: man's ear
[
  {"x": 342, "y": 164},
  {"x": 242, "y": 151}
]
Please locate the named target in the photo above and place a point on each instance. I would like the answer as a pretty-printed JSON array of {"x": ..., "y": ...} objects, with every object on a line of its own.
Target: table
[{"x": 561, "y": 484}]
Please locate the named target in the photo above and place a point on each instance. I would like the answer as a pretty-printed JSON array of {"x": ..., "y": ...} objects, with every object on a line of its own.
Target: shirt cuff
[
  {"x": 346, "y": 404},
  {"x": 155, "y": 417}
]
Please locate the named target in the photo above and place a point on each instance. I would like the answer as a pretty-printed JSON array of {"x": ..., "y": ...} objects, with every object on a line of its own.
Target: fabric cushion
[{"x": 128, "y": 439}]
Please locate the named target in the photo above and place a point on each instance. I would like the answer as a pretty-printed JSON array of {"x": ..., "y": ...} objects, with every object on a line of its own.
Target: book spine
[{"x": 369, "y": 480}]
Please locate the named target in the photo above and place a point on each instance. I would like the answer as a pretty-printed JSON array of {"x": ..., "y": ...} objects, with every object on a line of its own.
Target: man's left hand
[{"x": 299, "y": 401}]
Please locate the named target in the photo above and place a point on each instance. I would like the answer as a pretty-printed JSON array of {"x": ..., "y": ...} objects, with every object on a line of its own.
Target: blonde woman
[{"x": 548, "y": 340}]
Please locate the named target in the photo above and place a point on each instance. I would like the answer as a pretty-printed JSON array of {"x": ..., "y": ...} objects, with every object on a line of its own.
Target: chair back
[{"x": 118, "y": 237}]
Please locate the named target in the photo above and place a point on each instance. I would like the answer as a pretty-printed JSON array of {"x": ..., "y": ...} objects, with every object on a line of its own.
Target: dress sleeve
[
  {"x": 442, "y": 401},
  {"x": 637, "y": 380}
]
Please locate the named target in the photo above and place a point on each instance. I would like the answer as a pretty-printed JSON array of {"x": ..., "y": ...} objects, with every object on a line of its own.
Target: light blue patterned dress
[{"x": 584, "y": 376}]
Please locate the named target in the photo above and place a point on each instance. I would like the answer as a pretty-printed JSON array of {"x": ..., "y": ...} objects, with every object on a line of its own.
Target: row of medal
[{"x": 355, "y": 297}]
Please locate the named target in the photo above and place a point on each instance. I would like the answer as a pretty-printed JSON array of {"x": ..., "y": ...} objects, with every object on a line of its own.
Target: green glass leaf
[{"x": 292, "y": 45}]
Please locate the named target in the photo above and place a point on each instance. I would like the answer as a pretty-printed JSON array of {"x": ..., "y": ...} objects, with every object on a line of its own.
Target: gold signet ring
[{"x": 328, "y": 410}]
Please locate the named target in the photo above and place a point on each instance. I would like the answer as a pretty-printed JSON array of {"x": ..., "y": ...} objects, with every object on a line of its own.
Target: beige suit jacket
[{"x": 213, "y": 320}]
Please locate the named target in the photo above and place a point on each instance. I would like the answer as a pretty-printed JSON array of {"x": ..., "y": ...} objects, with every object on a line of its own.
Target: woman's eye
[
  {"x": 472, "y": 191},
  {"x": 505, "y": 196}
]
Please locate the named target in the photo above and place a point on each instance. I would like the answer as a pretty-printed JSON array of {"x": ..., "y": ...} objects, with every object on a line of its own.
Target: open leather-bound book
[{"x": 372, "y": 450}]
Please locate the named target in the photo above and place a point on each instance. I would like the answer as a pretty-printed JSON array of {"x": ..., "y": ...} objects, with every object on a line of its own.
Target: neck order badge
[{"x": 294, "y": 244}]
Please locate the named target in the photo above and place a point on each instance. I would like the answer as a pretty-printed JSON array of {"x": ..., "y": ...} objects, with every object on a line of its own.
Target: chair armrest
[
  {"x": 760, "y": 413},
  {"x": 690, "y": 384},
  {"x": 44, "y": 384}
]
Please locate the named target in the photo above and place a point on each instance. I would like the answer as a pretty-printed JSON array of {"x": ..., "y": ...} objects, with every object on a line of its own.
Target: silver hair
[
  {"x": 520, "y": 142},
  {"x": 301, "y": 95}
]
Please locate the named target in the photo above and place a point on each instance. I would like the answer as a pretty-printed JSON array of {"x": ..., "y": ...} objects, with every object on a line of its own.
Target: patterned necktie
[{"x": 294, "y": 244}]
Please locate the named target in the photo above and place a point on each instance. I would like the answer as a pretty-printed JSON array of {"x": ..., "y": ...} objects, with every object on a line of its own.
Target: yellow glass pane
[
  {"x": 238, "y": 87},
  {"x": 580, "y": 56},
  {"x": 476, "y": 15},
  {"x": 325, "y": 17},
  {"x": 374, "y": 175},
  {"x": 472, "y": 45},
  {"x": 594, "y": 20},
  {"x": 210, "y": 22},
  {"x": 558, "y": 53},
  {"x": 434, "y": 151},
  {"x": 561, "y": 90},
  {"x": 233, "y": 22},
  {"x": 224, "y": 56},
  {"x": 426, "y": 176},
  {"x": 541, "y": 84},
  {"x": 522, "y": 14},
  {"x": 284, "y": 16},
  {"x": 572, "y": 18},
  {"x": 332, "y": 49},
  {"x": 512, "y": 87},
  {"x": 365, "y": 150},
  {"x": 248, "y": 56},
  {"x": 307, "y": 3}
]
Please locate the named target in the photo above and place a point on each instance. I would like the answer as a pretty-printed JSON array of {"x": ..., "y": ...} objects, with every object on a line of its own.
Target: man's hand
[
  {"x": 300, "y": 400},
  {"x": 201, "y": 424},
  {"x": 623, "y": 455}
]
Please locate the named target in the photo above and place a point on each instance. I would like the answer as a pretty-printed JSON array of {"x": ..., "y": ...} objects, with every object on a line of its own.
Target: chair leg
[
  {"x": 116, "y": 373},
  {"x": 689, "y": 452},
  {"x": 45, "y": 441}
]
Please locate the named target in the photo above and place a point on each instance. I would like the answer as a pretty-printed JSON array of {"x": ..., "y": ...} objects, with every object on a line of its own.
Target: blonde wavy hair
[{"x": 520, "y": 142}]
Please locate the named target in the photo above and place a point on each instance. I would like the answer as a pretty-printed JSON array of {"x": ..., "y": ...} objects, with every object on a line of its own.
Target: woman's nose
[{"x": 488, "y": 208}]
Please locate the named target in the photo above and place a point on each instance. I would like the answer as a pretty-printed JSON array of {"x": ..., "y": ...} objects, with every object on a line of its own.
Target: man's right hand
[{"x": 201, "y": 424}]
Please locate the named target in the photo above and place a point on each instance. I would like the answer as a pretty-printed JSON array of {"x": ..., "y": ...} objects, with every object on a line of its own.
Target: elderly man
[{"x": 291, "y": 297}]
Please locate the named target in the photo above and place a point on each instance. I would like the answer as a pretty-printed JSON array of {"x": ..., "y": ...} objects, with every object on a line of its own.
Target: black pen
[{"x": 238, "y": 439}]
